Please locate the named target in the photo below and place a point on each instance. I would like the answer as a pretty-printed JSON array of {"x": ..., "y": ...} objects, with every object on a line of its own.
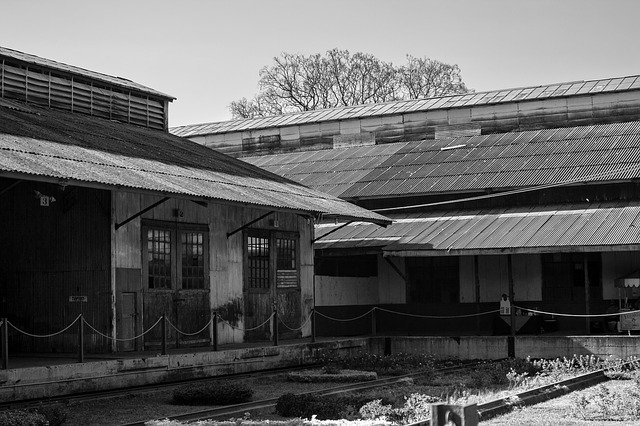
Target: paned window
[
  {"x": 286, "y": 264},
  {"x": 272, "y": 260},
  {"x": 175, "y": 255},
  {"x": 192, "y": 252},
  {"x": 258, "y": 257},
  {"x": 159, "y": 258}
]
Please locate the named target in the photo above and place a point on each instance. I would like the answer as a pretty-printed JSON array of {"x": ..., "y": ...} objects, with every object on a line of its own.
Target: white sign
[{"x": 77, "y": 298}]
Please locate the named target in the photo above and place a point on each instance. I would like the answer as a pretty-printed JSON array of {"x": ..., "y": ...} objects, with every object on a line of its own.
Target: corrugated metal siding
[
  {"x": 72, "y": 93},
  {"x": 453, "y": 101},
  {"x": 54, "y": 65},
  {"x": 539, "y": 227},
  {"x": 43, "y": 142},
  {"x": 518, "y": 159}
]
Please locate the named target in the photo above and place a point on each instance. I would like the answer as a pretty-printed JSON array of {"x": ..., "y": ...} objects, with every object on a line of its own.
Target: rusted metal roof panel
[
  {"x": 57, "y": 145},
  {"x": 531, "y": 228}
]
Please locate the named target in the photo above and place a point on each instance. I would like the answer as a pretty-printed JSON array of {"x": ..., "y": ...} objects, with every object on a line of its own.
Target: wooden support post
[
  {"x": 313, "y": 325},
  {"x": 511, "y": 343},
  {"x": 587, "y": 294},
  {"x": 374, "y": 325},
  {"x": 81, "y": 338},
  {"x": 163, "y": 330},
  {"x": 4, "y": 341},
  {"x": 459, "y": 415},
  {"x": 476, "y": 275},
  {"x": 275, "y": 325},
  {"x": 215, "y": 331}
]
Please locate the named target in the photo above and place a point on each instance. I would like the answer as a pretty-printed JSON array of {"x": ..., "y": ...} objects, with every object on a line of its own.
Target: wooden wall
[
  {"x": 49, "y": 253},
  {"x": 494, "y": 279},
  {"x": 225, "y": 288},
  {"x": 421, "y": 125},
  {"x": 388, "y": 287}
]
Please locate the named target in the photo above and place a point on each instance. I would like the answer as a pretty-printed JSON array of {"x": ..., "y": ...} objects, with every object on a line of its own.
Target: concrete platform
[
  {"x": 62, "y": 377},
  {"x": 42, "y": 377},
  {"x": 495, "y": 347}
]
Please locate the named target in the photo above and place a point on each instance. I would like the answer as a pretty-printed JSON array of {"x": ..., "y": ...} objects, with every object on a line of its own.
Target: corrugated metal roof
[
  {"x": 594, "y": 153},
  {"x": 42, "y": 142},
  {"x": 398, "y": 107},
  {"x": 524, "y": 229},
  {"x": 92, "y": 75}
]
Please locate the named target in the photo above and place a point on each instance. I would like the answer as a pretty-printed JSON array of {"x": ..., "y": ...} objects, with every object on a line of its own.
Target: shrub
[
  {"x": 375, "y": 410},
  {"x": 212, "y": 393},
  {"x": 603, "y": 403},
  {"x": 22, "y": 418},
  {"x": 324, "y": 407},
  {"x": 417, "y": 407},
  {"x": 331, "y": 369},
  {"x": 391, "y": 365},
  {"x": 56, "y": 415}
]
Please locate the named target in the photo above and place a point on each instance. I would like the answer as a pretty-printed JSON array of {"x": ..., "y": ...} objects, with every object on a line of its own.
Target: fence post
[
  {"x": 4, "y": 332},
  {"x": 215, "y": 331},
  {"x": 374, "y": 329},
  {"x": 163, "y": 328},
  {"x": 461, "y": 415},
  {"x": 275, "y": 325},
  {"x": 313, "y": 325},
  {"x": 81, "y": 338}
]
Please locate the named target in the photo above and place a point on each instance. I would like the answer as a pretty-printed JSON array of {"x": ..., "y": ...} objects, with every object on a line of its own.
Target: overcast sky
[{"x": 208, "y": 53}]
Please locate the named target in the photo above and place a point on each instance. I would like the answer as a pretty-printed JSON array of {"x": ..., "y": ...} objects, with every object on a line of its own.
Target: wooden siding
[
  {"x": 52, "y": 89},
  {"x": 386, "y": 288},
  {"x": 226, "y": 259},
  {"x": 576, "y": 110},
  {"x": 51, "y": 253},
  {"x": 494, "y": 281}
]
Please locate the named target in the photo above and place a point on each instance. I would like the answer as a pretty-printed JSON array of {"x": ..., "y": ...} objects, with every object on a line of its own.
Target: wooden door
[
  {"x": 287, "y": 284},
  {"x": 258, "y": 301},
  {"x": 272, "y": 280},
  {"x": 193, "y": 313},
  {"x": 175, "y": 263},
  {"x": 128, "y": 317}
]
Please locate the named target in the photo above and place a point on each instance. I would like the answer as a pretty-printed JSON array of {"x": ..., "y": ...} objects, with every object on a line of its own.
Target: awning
[
  {"x": 537, "y": 229},
  {"x": 632, "y": 280},
  {"x": 39, "y": 143}
]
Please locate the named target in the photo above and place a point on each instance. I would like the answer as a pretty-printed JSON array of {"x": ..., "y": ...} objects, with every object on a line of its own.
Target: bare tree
[
  {"x": 427, "y": 78},
  {"x": 297, "y": 82}
]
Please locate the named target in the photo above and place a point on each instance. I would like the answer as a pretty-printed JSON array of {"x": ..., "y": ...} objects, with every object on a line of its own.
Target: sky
[{"x": 208, "y": 53}]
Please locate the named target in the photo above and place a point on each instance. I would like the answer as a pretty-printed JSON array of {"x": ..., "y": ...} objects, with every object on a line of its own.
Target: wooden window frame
[
  {"x": 176, "y": 229},
  {"x": 271, "y": 236}
]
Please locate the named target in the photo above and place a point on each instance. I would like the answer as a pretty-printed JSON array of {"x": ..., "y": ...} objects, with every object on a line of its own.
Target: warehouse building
[
  {"x": 108, "y": 215},
  {"x": 536, "y": 186}
]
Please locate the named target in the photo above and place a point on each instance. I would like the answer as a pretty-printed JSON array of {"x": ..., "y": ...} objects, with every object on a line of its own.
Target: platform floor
[{"x": 26, "y": 360}]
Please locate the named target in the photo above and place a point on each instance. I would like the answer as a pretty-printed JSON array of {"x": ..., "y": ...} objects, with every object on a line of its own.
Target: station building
[
  {"x": 106, "y": 214},
  {"x": 537, "y": 186}
]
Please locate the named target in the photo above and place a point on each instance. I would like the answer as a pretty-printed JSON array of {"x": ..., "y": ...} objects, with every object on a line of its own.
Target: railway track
[
  {"x": 112, "y": 393},
  {"x": 239, "y": 409}
]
